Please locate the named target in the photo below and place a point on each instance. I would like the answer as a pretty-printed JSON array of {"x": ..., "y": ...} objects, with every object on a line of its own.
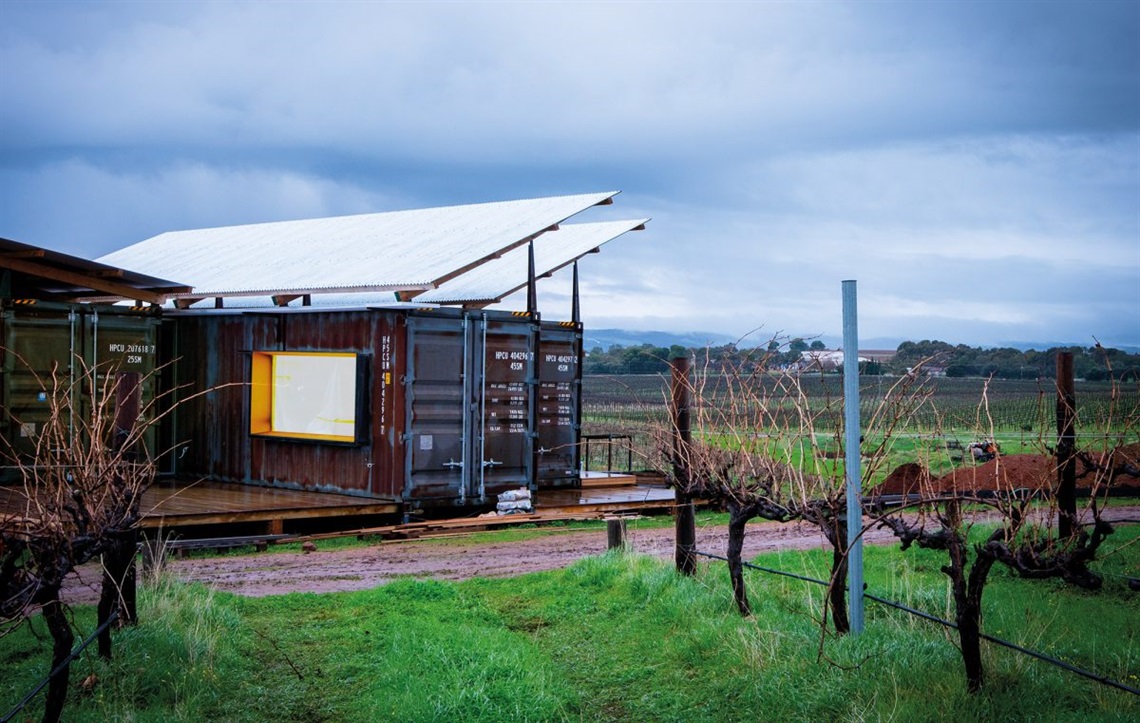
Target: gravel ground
[{"x": 458, "y": 558}]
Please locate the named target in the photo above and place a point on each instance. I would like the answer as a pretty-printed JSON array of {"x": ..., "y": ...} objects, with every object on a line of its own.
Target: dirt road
[{"x": 361, "y": 568}]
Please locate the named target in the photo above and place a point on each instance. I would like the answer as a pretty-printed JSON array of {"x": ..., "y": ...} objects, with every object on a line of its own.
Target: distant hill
[
  {"x": 1044, "y": 345},
  {"x": 606, "y": 338}
]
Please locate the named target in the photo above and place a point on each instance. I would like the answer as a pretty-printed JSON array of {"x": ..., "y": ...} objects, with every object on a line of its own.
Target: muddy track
[{"x": 360, "y": 568}]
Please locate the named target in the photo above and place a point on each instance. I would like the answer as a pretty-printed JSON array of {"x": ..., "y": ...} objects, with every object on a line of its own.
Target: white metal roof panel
[
  {"x": 501, "y": 277},
  {"x": 390, "y": 251}
]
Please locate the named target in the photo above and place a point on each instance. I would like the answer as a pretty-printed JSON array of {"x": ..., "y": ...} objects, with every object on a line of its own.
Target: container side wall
[
  {"x": 388, "y": 412},
  {"x": 314, "y": 465},
  {"x": 212, "y": 370}
]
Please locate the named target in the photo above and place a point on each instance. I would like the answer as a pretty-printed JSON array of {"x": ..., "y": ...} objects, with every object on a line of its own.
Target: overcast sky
[{"x": 974, "y": 166}]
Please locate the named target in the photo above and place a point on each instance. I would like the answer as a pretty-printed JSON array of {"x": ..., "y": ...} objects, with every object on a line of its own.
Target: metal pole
[
  {"x": 853, "y": 461},
  {"x": 531, "y": 284},
  {"x": 576, "y": 303}
]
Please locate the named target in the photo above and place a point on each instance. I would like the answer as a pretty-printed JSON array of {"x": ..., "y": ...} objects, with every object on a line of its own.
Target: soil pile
[
  {"x": 904, "y": 480},
  {"x": 1012, "y": 472}
]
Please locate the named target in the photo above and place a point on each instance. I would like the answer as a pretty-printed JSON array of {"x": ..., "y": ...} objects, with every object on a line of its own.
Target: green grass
[{"x": 610, "y": 638}]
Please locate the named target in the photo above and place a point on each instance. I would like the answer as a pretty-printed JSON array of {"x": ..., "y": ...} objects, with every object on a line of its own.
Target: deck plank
[{"x": 170, "y": 504}]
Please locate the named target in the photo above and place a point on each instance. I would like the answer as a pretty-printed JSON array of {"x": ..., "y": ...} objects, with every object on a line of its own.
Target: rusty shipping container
[
  {"x": 559, "y": 405},
  {"x": 44, "y": 345},
  {"x": 423, "y": 406}
]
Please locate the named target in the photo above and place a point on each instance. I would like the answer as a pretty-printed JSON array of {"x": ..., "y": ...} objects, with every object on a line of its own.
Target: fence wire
[
  {"x": 933, "y": 618},
  {"x": 59, "y": 668}
]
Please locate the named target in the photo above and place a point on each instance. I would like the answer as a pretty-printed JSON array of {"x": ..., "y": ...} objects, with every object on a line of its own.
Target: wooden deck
[
  {"x": 210, "y": 503},
  {"x": 205, "y": 504}
]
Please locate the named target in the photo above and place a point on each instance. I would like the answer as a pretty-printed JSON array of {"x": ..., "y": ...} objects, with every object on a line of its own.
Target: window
[{"x": 307, "y": 395}]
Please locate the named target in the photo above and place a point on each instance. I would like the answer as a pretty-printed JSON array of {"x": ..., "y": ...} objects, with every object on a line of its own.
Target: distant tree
[
  {"x": 645, "y": 359},
  {"x": 796, "y": 348}
]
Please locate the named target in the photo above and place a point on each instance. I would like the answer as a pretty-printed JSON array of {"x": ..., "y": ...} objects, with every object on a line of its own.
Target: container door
[
  {"x": 506, "y": 376},
  {"x": 39, "y": 346},
  {"x": 559, "y": 397},
  {"x": 439, "y": 406},
  {"x": 123, "y": 350}
]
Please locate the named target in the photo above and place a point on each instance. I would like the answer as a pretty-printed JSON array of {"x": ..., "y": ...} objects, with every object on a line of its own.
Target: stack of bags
[{"x": 515, "y": 502}]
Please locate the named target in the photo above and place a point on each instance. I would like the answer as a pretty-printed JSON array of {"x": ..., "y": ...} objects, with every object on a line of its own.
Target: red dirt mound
[
  {"x": 1007, "y": 472},
  {"x": 904, "y": 480}
]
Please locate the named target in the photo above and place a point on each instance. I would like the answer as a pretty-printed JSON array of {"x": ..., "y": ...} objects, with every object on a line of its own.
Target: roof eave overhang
[{"x": 71, "y": 278}]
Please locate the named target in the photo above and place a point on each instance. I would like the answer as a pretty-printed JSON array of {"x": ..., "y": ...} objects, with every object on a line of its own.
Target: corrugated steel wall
[
  {"x": 452, "y": 403},
  {"x": 38, "y": 338}
]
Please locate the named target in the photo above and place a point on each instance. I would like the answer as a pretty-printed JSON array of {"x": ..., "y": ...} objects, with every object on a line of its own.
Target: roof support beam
[
  {"x": 80, "y": 280},
  {"x": 24, "y": 254},
  {"x": 531, "y": 285},
  {"x": 575, "y": 303}
]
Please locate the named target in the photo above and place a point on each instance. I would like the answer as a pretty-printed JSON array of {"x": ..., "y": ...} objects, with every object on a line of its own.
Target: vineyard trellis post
[
  {"x": 853, "y": 457},
  {"x": 1066, "y": 448},
  {"x": 680, "y": 401}
]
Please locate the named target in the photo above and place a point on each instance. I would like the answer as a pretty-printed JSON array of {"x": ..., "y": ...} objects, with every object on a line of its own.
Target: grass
[{"x": 614, "y": 637}]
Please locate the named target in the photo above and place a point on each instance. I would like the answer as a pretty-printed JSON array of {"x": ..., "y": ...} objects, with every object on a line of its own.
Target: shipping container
[
  {"x": 425, "y": 406},
  {"x": 559, "y": 405},
  {"x": 45, "y": 346}
]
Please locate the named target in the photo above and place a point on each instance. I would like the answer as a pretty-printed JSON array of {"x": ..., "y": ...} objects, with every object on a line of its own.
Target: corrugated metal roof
[
  {"x": 497, "y": 279},
  {"x": 398, "y": 250}
]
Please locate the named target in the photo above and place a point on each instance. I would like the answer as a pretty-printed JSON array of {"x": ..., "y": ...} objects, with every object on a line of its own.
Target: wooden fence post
[
  {"x": 1066, "y": 447},
  {"x": 680, "y": 402},
  {"x": 616, "y": 534}
]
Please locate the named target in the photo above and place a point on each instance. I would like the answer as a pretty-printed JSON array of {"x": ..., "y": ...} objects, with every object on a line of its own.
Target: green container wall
[{"x": 41, "y": 345}]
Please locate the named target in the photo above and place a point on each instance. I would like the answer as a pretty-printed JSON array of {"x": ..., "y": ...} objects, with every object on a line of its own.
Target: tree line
[{"x": 1094, "y": 363}]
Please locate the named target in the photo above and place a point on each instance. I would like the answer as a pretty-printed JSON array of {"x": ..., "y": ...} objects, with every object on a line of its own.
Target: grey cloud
[{"x": 779, "y": 147}]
